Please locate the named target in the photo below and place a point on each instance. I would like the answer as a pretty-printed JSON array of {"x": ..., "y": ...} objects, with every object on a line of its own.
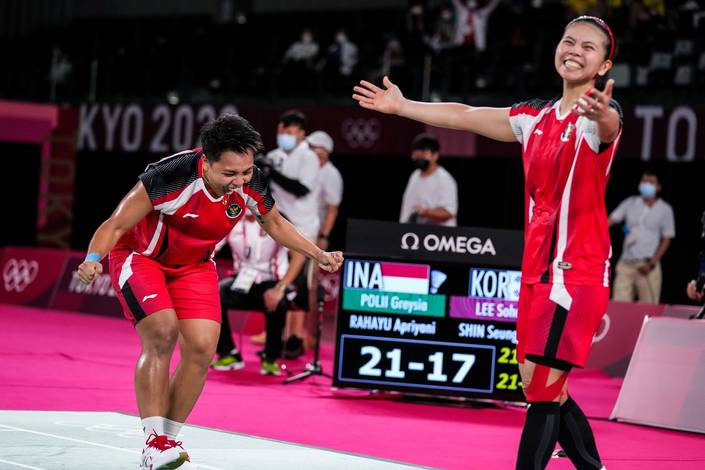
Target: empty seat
[
  {"x": 660, "y": 61},
  {"x": 642, "y": 76},
  {"x": 683, "y": 47},
  {"x": 683, "y": 76}
]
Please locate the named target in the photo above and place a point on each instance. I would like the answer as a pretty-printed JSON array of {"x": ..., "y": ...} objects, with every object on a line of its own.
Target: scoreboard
[{"x": 423, "y": 324}]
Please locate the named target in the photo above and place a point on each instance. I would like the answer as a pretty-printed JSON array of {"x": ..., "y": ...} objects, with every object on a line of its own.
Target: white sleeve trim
[{"x": 170, "y": 207}]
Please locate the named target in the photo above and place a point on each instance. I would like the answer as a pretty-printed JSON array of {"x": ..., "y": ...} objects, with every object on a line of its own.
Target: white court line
[
  {"x": 21, "y": 465},
  {"x": 121, "y": 449}
]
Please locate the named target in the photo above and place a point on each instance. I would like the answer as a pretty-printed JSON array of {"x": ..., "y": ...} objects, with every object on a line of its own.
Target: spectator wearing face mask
[
  {"x": 648, "y": 230},
  {"x": 295, "y": 171},
  {"x": 431, "y": 195}
]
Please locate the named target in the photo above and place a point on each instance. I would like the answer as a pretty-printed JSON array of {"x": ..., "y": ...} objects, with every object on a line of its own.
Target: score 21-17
[
  {"x": 443, "y": 367},
  {"x": 370, "y": 368}
]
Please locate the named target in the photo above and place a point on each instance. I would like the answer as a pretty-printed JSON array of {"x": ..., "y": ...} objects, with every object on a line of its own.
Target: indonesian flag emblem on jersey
[
  {"x": 566, "y": 169},
  {"x": 188, "y": 221}
]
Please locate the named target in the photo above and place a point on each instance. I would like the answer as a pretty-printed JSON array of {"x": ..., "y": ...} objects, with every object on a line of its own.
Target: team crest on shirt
[
  {"x": 233, "y": 210},
  {"x": 567, "y": 132}
]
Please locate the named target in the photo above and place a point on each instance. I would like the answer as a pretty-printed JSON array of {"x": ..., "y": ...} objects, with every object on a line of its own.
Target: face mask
[
  {"x": 420, "y": 163},
  {"x": 286, "y": 142},
  {"x": 647, "y": 190}
]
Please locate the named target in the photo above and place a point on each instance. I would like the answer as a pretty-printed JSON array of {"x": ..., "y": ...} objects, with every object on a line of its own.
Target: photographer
[{"x": 294, "y": 171}]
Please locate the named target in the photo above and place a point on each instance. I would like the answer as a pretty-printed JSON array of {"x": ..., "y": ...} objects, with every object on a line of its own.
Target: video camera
[{"x": 265, "y": 164}]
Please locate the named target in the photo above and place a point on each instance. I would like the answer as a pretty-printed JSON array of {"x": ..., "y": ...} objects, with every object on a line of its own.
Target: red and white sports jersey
[
  {"x": 566, "y": 168},
  {"x": 188, "y": 221}
]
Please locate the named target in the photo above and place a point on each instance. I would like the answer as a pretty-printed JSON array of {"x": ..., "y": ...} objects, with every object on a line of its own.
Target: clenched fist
[{"x": 88, "y": 271}]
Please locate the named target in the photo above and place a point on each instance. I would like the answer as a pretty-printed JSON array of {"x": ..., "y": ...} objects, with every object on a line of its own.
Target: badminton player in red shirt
[
  {"x": 160, "y": 240},
  {"x": 568, "y": 145}
]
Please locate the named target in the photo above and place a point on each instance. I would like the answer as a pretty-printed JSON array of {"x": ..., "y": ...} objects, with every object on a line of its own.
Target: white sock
[
  {"x": 153, "y": 424},
  {"x": 172, "y": 428}
]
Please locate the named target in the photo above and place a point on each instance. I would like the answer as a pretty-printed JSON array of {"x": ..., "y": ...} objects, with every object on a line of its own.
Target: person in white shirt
[
  {"x": 305, "y": 49},
  {"x": 294, "y": 170},
  {"x": 329, "y": 195},
  {"x": 649, "y": 227},
  {"x": 298, "y": 67},
  {"x": 431, "y": 195},
  {"x": 261, "y": 274},
  {"x": 330, "y": 185}
]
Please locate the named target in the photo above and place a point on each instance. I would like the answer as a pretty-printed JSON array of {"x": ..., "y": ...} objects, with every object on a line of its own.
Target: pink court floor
[{"x": 53, "y": 360}]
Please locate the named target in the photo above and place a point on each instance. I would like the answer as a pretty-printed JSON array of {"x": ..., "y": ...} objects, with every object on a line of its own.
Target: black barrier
[{"x": 430, "y": 310}]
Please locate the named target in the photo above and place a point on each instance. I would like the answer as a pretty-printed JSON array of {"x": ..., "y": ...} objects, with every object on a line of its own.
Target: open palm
[{"x": 370, "y": 96}]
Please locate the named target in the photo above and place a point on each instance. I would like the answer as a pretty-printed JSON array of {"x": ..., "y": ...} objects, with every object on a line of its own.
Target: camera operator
[{"x": 294, "y": 171}]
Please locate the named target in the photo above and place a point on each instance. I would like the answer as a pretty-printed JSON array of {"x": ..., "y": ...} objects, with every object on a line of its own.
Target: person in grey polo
[{"x": 649, "y": 228}]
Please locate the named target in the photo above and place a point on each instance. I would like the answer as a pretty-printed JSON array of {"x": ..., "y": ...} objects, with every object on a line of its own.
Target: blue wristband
[{"x": 93, "y": 256}]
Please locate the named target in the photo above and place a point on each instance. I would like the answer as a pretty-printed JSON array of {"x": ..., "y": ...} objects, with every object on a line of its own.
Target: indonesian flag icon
[{"x": 405, "y": 278}]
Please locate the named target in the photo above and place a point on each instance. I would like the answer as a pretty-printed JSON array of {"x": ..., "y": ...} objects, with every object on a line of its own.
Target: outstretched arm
[
  {"x": 133, "y": 208},
  {"x": 284, "y": 233},
  {"x": 488, "y": 122},
  {"x": 595, "y": 105}
]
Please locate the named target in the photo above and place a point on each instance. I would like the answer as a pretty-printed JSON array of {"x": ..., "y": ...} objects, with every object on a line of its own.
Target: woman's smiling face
[{"x": 581, "y": 53}]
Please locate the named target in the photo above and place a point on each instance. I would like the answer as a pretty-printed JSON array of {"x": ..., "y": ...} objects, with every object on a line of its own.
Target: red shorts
[
  {"x": 558, "y": 322},
  {"x": 144, "y": 286}
]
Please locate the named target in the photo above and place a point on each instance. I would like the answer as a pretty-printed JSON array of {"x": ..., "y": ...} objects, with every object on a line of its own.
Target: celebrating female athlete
[{"x": 568, "y": 145}]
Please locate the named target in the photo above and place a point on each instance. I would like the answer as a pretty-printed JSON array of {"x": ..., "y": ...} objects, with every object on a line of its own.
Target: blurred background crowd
[{"x": 70, "y": 50}]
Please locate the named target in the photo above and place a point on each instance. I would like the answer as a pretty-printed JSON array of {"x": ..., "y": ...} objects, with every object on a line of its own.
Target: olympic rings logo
[
  {"x": 17, "y": 275},
  {"x": 361, "y": 133}
]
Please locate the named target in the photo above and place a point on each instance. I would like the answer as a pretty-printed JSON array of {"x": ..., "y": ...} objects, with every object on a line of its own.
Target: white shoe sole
[{"x": 178, "y": 463}]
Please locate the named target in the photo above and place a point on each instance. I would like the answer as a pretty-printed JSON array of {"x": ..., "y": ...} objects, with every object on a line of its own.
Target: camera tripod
[{"x": 314, "y": 368}]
